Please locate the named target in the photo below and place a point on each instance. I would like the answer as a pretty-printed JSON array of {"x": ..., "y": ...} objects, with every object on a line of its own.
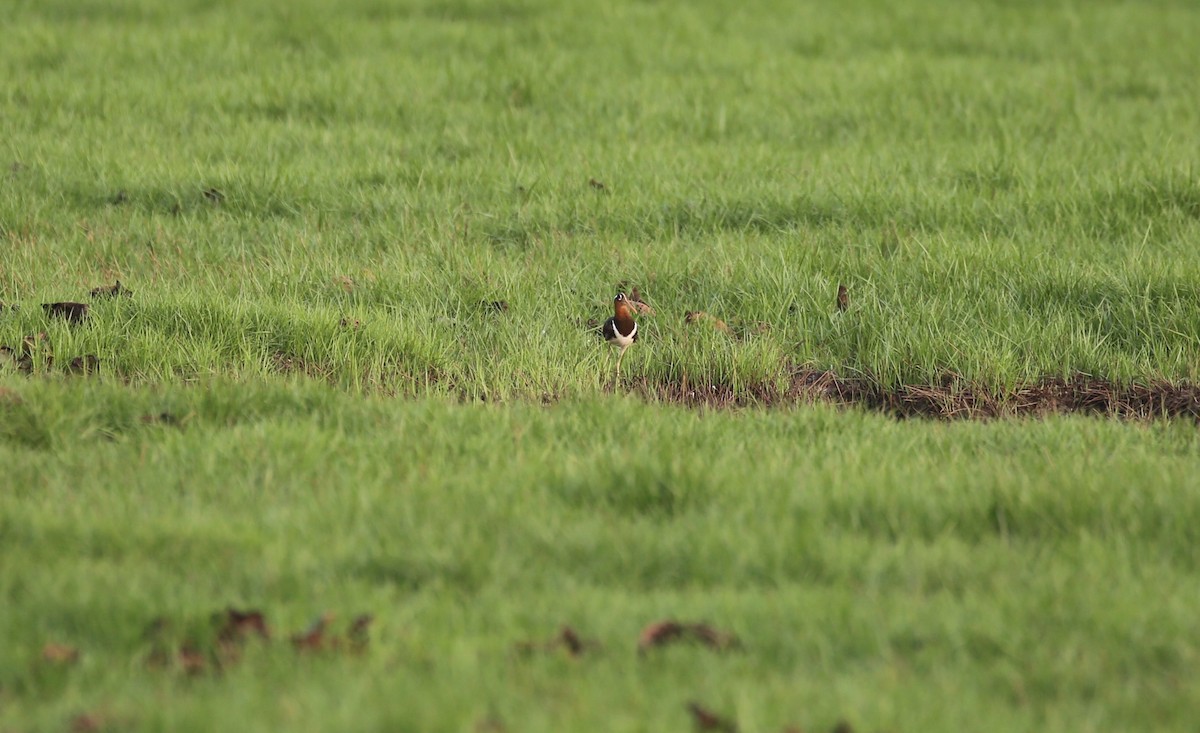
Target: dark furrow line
[{"x": 953, "y": 399}]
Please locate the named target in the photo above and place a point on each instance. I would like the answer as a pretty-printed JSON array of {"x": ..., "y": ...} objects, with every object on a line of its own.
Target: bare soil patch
[{"x": 952, "y": 399}]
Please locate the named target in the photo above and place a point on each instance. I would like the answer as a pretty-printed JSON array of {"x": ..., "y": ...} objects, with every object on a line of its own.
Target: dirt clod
[
  {"x": 73, "y": 313},
  {"x": 661, "y": 633},
  {"x": 86, "y": 364},
  {"x": 948, "y": 399},
  {"x": 238, "y": 625}
]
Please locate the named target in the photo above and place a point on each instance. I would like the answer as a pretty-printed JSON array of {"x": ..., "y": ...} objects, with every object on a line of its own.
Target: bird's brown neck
[{"x": 623, "y": 316}]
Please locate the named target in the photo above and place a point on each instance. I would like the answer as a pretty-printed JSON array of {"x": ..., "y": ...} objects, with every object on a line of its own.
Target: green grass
[
  {"x": 1011, "y": 190},
  {"x": 903, "y": 576}
]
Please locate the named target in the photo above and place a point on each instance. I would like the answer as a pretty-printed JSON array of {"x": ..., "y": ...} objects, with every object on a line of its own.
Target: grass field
[{"x": 308, "y": 404}]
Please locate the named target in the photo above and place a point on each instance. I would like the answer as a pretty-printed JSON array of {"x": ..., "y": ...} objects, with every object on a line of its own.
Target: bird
[{"x": 620, "y": 330}]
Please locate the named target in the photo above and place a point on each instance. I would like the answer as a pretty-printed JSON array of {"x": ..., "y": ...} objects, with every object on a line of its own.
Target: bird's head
[{"x": 622, "y": 307}]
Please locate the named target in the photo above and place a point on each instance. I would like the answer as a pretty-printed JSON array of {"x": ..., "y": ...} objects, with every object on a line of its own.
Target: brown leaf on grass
[
  {"x": 313, "y": 638},
  {"x": 571, "y": 641},
  {"x": 359, "y": 628},
  {"x": 191, "y": 660},
  {"x": 111, "y": 291},
  {"x": 566, "y": 638},
  {"x": 345, "y": 282},
  {"x": 87, "y": 723},
  {"x": 59, "y": 653},
  {"x": 187, "y": 658},
  {"x": 73, "y": 313},
  {"x": 661, "y": 633},
  {"x": 701, "y": 316},
  {"x": 357, "y": 634},
  {"x": 86, "y": 364},
  {"x": 237, "y": 625},
  {"x": 707, "y": 720},
  {"x": 843, "y": 298},
  {"x": 596, "y": 184},
  {"x": 658, "y": 634},
  {"x": 490, "y": 724}
]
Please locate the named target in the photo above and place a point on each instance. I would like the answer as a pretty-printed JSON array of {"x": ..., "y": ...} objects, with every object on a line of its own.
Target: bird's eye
[{"x": 620, "y": 297}]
